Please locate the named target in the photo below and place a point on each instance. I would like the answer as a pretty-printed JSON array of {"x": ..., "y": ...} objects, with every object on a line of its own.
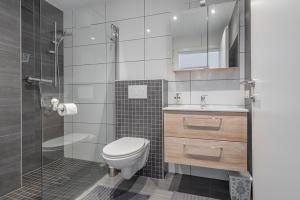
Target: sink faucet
[
  {"x": 203, "y": 100},
  {"x": 177, "y": 97}
]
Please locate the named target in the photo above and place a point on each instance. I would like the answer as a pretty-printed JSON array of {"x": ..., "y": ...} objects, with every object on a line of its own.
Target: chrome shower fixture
[
  {"x": 58, "y": 38},
  {"x": 114, "y": 32},
  {"x": 202, "y": 3}
]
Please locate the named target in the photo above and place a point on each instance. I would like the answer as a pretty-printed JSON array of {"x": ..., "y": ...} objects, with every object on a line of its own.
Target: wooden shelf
[{"x": 207, "y": 69}]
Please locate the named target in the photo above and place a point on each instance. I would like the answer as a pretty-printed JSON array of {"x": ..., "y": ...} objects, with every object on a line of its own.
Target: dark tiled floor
[
  {"x": 62, "y": 180},
  {"x": 204, "y": 187},
  {"x": 69, "y": 179}
]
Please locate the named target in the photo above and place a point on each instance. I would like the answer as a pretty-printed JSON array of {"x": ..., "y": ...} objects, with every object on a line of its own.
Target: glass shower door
[{"x": 53, "y": 166}]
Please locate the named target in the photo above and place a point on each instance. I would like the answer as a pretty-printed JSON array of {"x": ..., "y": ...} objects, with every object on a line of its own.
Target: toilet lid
[{"x": 124, "y": 146}]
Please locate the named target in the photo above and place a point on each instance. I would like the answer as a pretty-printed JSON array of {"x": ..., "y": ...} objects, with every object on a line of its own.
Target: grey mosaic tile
[{"x": 143, "y": 118}]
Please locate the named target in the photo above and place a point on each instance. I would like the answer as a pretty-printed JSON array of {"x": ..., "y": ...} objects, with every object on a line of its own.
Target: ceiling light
[
  {"x": 175, "y": 18},
  {"x": 148, "y": 30},
  {"x": 93, "y": 38},
  {"x": 213, "y": 11}
]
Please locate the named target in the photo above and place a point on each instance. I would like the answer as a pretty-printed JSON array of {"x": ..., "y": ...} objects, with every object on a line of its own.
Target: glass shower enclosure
[{"x": 52, "y": 144}]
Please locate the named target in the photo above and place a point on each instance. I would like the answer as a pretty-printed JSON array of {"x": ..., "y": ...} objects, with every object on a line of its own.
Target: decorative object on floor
[
  {"x": 105, "y": 193},
  {"x": 240, "y": 186}
]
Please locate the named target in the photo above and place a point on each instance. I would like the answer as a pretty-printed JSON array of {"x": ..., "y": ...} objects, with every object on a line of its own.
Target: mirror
[
  {"x": 189, "y": 36},
  {"x": 206, "y": 37}
]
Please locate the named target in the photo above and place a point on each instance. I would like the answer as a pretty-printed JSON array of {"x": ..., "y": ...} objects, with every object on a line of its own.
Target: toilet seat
[{"x": 124, "y": 147}]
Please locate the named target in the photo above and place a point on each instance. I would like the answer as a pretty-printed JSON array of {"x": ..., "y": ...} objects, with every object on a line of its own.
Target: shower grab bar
[{"x": 30, "y": 79}]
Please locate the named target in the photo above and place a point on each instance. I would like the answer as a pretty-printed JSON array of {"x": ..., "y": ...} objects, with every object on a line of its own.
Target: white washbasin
[{"x": 208, "y": 108}]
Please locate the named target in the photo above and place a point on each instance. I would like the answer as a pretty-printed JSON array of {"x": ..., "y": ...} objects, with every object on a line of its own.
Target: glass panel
[
  {"x": 223, "y": 31},
  {"x": 189, "y": 37},
  {"x": 51, "y": 43},
  {"x": 31, "y": 107},
  {"x": 78, "y": 55}
]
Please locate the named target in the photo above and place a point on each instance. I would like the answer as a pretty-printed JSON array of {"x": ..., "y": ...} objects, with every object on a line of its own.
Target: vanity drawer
[
  {"x": 206, "y": 153},
  {"x": 206, "y": 125}
]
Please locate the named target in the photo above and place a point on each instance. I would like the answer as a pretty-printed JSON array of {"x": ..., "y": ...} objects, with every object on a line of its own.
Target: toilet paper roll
[{"x": 65, "y": 109}]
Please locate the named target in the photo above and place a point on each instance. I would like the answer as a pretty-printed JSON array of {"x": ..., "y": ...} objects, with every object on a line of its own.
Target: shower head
[
  {"x": 61, "y": 36},
  {"x": 114, "y": 32}
]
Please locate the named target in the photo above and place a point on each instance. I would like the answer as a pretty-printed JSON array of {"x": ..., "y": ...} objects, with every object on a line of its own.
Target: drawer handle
[
  {"x": 204, "y": 123},
  {"x": 203, "y": 152}
]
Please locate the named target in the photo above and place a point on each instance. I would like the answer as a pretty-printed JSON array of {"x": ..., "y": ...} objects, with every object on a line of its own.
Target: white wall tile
[
  {"x": 179, "y": 87},
  {"x": 68, "y": 119},
  {"x": 91, "y": 93},
  {"x": 92, "y": 54},
  {"x": 91, "y": 113},
  {"x": 120, "y": 9},
  {"x": 215, "y": 85},
  {"x": 162, "y": 6},
  {"x": 68, "y": 128},
  {"x": 110, "y": 113},
  {"x": 68, "y": 75},
  {"x": 242, "y": 65},
  {"x": 89, "y": 73},
  {"x": 93, "y": 34},
  {"x": 68, "y": 19},
  {"x": 88, "y": 151},
  {"x": 158, "y": 25},
  {"x": 225, "y": 97},
  {"x": 128, "y": 29},
  {"x": 158, "y": 69},
  {"x": 68, "y": 57},
  {"x": 131, "y": 71},
  {"x": 93, "y": 12},
  {"x": 110, "y": 94},
  {"x": 166, "y": 69},
  {"x": 68, "y": 39},
  {"x": 68, "y": 151},
  {"x": 131, "y": 50},
  {"x": 68, "y": 93},
  {"x": 242, "y": 39},
  {"x": 158, "y": 48},
  {"x": 111, "y": 133},
  {"x": 111, "y": 72},
  {"x": 95, "y": 133}
]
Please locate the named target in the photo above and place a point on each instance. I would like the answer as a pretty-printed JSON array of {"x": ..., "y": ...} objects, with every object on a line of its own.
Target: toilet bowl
[{"x": 128, "y": 154}]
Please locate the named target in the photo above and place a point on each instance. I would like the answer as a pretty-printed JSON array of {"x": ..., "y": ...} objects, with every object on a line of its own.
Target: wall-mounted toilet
[{"x": 128, "y": 154}]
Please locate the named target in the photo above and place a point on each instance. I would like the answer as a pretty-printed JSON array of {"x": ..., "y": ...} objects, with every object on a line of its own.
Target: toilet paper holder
[{"x": 55, "y": 105}]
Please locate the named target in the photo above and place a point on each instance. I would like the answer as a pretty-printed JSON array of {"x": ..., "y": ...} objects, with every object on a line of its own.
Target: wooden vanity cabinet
[{"x": 206, "y": 139}]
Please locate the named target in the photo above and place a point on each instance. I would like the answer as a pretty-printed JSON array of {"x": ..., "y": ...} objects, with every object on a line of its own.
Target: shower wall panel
[
  {"x": 10, "y": 96},
  {"x": 31, "y": 66}
]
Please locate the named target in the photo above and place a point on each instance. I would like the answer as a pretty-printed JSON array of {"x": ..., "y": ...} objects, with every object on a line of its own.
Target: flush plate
[{"x": 137, "y": 91}]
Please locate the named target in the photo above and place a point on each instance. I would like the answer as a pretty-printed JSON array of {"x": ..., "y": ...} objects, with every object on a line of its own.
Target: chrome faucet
[
  {"x": 177, "y": 97},
  {"x": 203, "y": 100}
]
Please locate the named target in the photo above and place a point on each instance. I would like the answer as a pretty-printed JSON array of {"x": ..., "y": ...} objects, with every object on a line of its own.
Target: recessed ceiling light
[
  {"x": 148, "y": 30},
  {"x": 175, "y": 18},
  {"x": 213, "y": 11},
  {"x": 93, "y": 38}
]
